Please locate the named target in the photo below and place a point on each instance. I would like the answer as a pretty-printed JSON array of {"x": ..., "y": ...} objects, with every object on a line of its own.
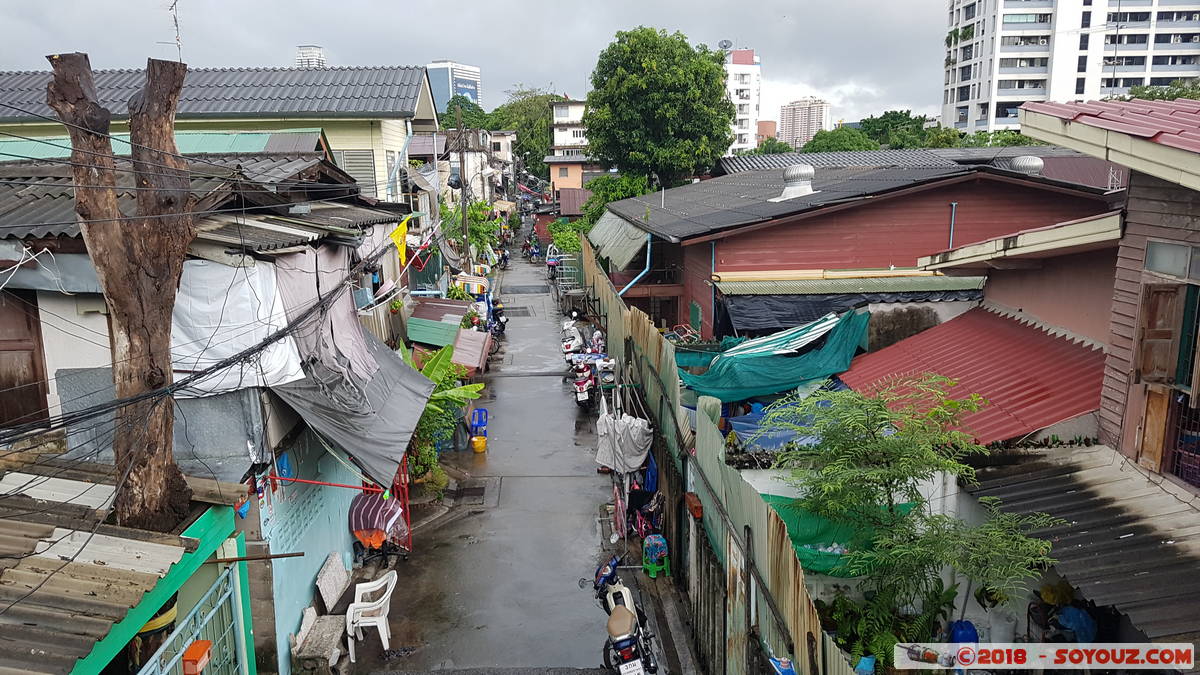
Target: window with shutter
[
  {"x": 1158, "y": 343},
  {"x": 360, "y": 164}
]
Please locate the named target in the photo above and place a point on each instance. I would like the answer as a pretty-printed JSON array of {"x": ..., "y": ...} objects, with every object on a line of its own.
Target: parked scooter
[
  {"x": 629, "y": 649},
  {"x": 572, "y": 340},
  {"x": 585, "y": 382},
  {"x": 499, "y": 322},
  {"x": 504, "y": 258}
]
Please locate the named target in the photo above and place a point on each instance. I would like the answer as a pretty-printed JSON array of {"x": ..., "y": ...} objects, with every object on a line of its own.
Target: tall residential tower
[
  {"x": 800, "y": 120},
  {"x": 1002, "y": 53},
  {"x": 744, "y": 82}
]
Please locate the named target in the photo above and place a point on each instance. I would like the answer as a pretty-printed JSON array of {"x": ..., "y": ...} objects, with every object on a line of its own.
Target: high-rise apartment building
[
  {"x": 800, "y": 120},
  {"x": 310, "y": 56},
  {"x": 1002, "y": 53},
  {"x": 766, "y": 129},
  {"x": 743, "y": 80},
  {"x": 448, "y": 79}
]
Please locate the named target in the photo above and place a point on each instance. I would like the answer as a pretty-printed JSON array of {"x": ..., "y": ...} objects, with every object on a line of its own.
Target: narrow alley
[{"x": 495, "y": 585}]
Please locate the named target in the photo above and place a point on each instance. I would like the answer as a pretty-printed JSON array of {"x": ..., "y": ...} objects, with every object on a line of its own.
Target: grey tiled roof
[
  {"x": 990, "y": 155},
  {"x": 363, "y": 92},
  {"x": 863, "y": 158}
]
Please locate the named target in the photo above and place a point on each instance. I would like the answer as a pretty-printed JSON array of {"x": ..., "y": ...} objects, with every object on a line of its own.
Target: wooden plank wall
[{"x": 1156, "y": 209}]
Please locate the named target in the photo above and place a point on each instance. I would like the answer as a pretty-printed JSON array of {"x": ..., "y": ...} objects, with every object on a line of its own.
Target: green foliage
[
  {"x": 565, "y": 235},
  {"x": 896, "y": 129},
  {"x": 943, "y": 137},
  {"x": 995, "y": 139},
  {"x": 527, "y": 111},
  {"x": 442, "y": 411},
  {"x": 768, "y": 146},
  {"x": 952, "y": 38},
  {"x": 872, "y": 456},
  {"x": 473, "y": 116},
  {"x": 658, "y": 106},
  {"x": 482, "y": 228},
  {"x": 838, "y": 140},
  {"x": 611, "y": 188},
  {"x": 1186, "y": 88},
  {"x": 456, "y": 292}
]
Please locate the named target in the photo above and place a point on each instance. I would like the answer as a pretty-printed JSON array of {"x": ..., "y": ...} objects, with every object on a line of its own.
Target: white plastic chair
[{"x": 362, "y": 613}]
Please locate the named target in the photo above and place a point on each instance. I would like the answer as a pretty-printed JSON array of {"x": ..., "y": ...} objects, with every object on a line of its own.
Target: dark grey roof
[
  {"x": 363, "y": 92},
  {"x": 39, "y": 200},
  {"x": 878, "y": 158},
  {"x": 989, "y": 155},
  {"x": 1129, "y": 540},
  {"x": 744, "y": 198}
]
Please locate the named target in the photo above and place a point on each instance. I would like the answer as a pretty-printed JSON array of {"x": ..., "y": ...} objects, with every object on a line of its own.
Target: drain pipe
[
  {"x": 953, "y": 213},
  {"x": 640, "y": 274}
]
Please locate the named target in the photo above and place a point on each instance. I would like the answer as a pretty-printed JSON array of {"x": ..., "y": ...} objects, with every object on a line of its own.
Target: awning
[
  {"x": 429, "y": 332},
  {"x": 758, "y": 313},
  {"x": 738, "y": 378},
  {"x": 1130, "y": 538},
  {"x": 1027, "y": 247},
  {"x": 616, "y": 239},
  {"x": 375, "y": 429},
  {"x": 893, "y": 284},
  {"x": 471, "y": 350},
  {"x": 1030, "y": 378}
]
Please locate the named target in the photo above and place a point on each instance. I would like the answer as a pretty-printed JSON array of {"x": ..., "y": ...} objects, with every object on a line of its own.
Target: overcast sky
[{"x": 864, "y": 56}]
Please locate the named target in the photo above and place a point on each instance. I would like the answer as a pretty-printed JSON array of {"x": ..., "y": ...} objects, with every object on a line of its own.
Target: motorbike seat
[{"x": 621, "y": 623}]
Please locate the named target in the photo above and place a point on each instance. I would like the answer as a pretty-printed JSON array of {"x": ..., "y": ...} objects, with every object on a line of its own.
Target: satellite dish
[{"x": 725, "y": 44}]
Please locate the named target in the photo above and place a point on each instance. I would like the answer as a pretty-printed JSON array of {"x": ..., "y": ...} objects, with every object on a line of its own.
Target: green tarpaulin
[
  {"x": 810, "y": 532},
  {"x": 687, "y": 355},
  {"x": 739, "y": 377}
]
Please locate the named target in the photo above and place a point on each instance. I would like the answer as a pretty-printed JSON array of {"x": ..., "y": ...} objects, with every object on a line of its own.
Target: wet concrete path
[{"x": 494, "y": 587}]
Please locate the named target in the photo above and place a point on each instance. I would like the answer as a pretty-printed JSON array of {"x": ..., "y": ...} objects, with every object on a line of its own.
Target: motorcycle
[
  {"x": 535, "y": 252},
  {"x": 629, "y": 649},
  {"x": 498, "y": 323},
  {"x": 585, "y": 382},
  {"x": 504, "y": 259},
  {"x": 572, "y": 341}
]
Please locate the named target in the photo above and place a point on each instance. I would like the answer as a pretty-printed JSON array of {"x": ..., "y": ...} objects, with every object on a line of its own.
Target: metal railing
[{"x": 218, "y": 618}]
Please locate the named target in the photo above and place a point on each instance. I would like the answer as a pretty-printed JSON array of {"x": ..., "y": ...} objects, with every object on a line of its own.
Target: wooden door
[
  {"x": 1154, "y": 427},
  {"x": 22, "y": 373}
]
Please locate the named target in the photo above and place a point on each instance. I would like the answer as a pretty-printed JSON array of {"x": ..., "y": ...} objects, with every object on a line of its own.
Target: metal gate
[
  {"x": 217, "y": 617},
  {"x": 708, "y": 604}
]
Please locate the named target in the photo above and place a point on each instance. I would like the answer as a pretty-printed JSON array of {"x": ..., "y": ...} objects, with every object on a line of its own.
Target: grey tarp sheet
[
  {"x": 770, "y": 313},
  {"x": 623, "y": 440},
  {"x": 376, "y": 431}
]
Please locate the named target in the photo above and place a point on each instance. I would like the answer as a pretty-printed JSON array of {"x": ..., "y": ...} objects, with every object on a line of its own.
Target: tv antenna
[
  {"x": 725, "y": 44},
  {"x": 174, "y": 10}
]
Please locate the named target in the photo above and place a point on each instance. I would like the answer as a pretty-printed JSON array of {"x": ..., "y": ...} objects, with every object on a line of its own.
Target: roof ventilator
[
  {"x": 797, "y": 182},
  {"x": 1027, "y": 164}
]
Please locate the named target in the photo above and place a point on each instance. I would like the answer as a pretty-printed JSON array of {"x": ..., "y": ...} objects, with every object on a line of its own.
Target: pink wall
[{"x": 1073, "y": 292}]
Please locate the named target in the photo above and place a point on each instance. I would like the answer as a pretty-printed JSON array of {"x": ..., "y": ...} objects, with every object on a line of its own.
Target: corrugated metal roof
[
  {"x": 571, "y": 200},
  {"x": 79, "y": 602},
  {"x": 440, "y": 309},
  {"x": 1129, "y": 540},
  {"x": 427, "y": 144},
  {"x": 186, "y": 142},
  {"x": 990, "y": 154},
  {"x": 864, "y": 158},
  {"x": 471, "y": 350},
  {"x": 857, "y": 285},
  {"x": 352, "y": 91},
  {"x": 1031, "y": 379},
  {"x": 1171, "y": 123},
  {"x": 430, "y": 332},
  {"x": 617, "y": 240}
]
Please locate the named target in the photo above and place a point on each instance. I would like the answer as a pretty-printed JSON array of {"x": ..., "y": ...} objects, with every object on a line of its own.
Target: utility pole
[
  {"x": 462, "y": 179},
  {"x": 139, "y": 261}
]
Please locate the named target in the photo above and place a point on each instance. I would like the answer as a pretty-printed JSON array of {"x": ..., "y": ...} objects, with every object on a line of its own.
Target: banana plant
[{"x": 440, "y": 370}]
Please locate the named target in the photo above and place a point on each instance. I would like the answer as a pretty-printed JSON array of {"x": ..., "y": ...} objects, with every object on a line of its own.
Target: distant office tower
[
  {"x": 448, "y": 79},
  {"x": 800, "y": 120},
  {"x": 1002, "y": 54},
  {"x": 744, "y": 82},
  {"x": 766, "y": 129},
  {"x": 310, "y": 56}
]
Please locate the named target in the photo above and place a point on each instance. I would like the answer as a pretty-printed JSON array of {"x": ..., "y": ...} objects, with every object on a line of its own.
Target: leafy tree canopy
[
  {"x": 768, "y": 146},
  {"x": 995, "y": 139},
  {"x": 943, "y": 137},
  {"x": 658, "y": 106},
  {"x": 896, "y": 129},
  {"x": 605, "y": 189},
  {"x": 1177, "y": 89},
  {"x": 473, "y": 116},
  {"x": 527, "y": 112},
  {"x": 838, "y": 140}
]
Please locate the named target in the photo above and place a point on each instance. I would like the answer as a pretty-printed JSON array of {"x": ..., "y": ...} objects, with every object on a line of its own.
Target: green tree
[
  {"x": 1189, "y": 88},
  {"x": 605, "y": 189},
  {"x": 995, "y": 139},
  {"x": 473, "y": 116},
  {"x": 839, "y": 140},
  {"x": 896, "y": 129},
  {"x": 769, "y": 146},
  {"x": 943, "y": 137},
  {"x": 872, "y": 456},
  {"x": 658, "y": 106},
  {"x": 527, "y": 112}
]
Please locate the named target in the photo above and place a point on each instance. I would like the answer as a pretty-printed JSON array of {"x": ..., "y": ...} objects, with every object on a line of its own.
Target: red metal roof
[
  {"x": 570, "y": 201},
  {"x": 1031, "y": 379},
  {"x": 1174, "y": 123}
]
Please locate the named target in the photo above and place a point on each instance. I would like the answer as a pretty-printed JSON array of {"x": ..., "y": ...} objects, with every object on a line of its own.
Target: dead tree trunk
[{"x": 139, "y": 261}]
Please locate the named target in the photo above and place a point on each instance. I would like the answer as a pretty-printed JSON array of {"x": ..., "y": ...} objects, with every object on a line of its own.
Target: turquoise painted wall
[{"x": 308, "y": 518}]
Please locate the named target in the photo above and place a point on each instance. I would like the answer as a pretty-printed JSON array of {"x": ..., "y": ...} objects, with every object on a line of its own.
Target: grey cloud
[{"x": 889, "y": 51}]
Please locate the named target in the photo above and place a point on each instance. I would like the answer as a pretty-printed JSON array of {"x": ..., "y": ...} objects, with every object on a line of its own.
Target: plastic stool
[
  {"x": 652, "y": 569},
  {"x": 479, "y": 422}
]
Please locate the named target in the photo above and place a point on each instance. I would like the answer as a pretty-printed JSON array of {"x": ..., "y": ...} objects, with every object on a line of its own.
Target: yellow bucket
[{"x": 479, "y": 443}]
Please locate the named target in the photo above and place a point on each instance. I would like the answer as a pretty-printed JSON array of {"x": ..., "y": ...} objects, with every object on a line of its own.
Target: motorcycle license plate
[
  {"x": 581, "y": 396},
  {"x": 632, "y": 668}
]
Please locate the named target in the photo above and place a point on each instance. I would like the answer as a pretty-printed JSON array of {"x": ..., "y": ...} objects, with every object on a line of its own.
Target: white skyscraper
[
  {"x": 744, "y": 82},
  {"x": 448, "y": 79},
  {"x": 1002, "y": 53},
  {"x": 800, "y": 120}
]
